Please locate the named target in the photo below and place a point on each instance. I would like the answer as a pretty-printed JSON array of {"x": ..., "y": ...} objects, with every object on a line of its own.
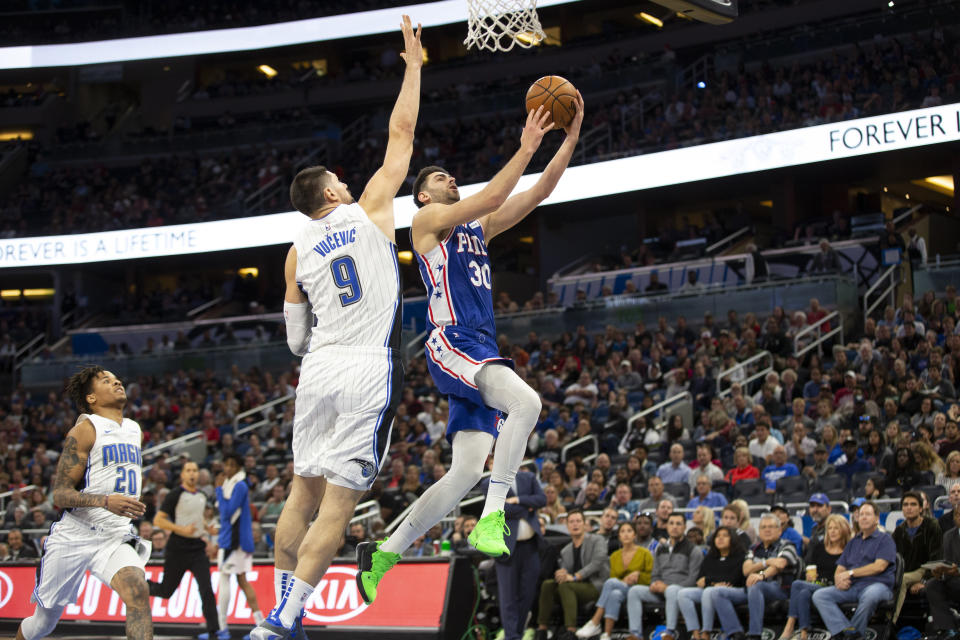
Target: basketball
[{"x": 557, "y": 95}]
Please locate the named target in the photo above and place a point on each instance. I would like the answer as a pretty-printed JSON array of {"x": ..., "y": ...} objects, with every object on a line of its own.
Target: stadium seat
[
  {"x": 722, "y": 487},
  {"x": 831, "y": 482},
  {"x": 859, "y": 481},
  {"x": 639, "y": 491},
  {"x": 746, "y": 488},
  {"x": 793, "y": 497},
  {"x": 677, "y": 489},
  {"x": 635, "y": 398},
  {"x": 792, "y": 484},
  {"x": 842, "y": 495},
  {"x": 933, "y": 491}
]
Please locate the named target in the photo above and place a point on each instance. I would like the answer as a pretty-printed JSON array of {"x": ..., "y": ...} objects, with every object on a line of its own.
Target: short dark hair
[
  {"x": 576, "y": 511},
  {"x": 235, "y": 457},
  {"x": 912, "y": 494},
  {"x": 306, "y": 190},
  {"x": 421, "y": 178},
  {"x": 873, "y": 506},
  {"x": 80, "y": 385},
  {"x": 676, "y": 514}
]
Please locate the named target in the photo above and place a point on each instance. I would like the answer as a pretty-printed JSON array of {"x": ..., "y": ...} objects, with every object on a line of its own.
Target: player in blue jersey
[{"x": 450, "y": 237}]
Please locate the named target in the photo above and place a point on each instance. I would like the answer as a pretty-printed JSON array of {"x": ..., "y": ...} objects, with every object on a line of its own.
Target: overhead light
[
  {"x": 944, "y": 184},
  {"x": 16, "y": 135},
  {"x": 38, "y": 293},
  {"x": 405, "y": 257},
  {"x": 701, "y": 85},
  {"x": 767, "y": 203},
  {"x": 681, "y": 14},
  {"x": 426, "y": 56},
  {"x": 529, "y": 38},
  {"x": 890, "y": 4},
  {"x": 320, "y": 66},
  {"x": 8, "y": 294},
  {"x": 526, "y": 239},
  {"x": 907, "y": 196},
  {"x": 885, "y": 190},
  {"x": 267, "y": 70},
  {"x": 646, "y": 17},
  {"x": 248, "y": 271}
]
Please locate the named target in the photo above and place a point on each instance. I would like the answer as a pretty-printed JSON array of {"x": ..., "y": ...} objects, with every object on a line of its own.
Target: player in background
[
  {"x": 101, "y": 455},
  {"x": 341, "y": 274},
  {"x": 235, "y": 557},
  {"x": 450, "y": 237},
  {"x": 182, "y": 515}
]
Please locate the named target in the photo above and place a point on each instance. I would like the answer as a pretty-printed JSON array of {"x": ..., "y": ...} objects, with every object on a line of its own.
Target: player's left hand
[
  {"x": 412, "y": 49},
  {"x": 513, "y": 500},
  {"x": 573, "y": 129},
  {"x": 221, "y": 478}
]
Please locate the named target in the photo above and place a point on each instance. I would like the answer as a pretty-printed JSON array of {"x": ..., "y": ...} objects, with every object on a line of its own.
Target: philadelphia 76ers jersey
[
  {"x": 113, "y": 466},
  {"x": 457, "y": 276},
  {"x": 348, "y": 270}
]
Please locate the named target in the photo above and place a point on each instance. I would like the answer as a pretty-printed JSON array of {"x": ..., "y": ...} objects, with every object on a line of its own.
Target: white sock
[
  {"x": 293, "y": 602},
  {"x": 501, "y": 388},
  {"x": 281, "y": 580},
  {"x": 257, "y": 617},
  {"x": 470, "y": 449},
  {"x": 223, "y": 598}
]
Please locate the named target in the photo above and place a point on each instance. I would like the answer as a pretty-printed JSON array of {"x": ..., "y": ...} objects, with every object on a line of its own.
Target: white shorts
[
  {"x": 72, "y": 548},
  {"x": 346, "y": 401},
  {"x": 238, "y": 562}
]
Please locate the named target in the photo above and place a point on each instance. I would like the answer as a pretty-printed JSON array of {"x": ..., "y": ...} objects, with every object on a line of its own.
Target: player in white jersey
[
  {"x": 342, "y": 311},
  {"x": 101, "y": 454}
]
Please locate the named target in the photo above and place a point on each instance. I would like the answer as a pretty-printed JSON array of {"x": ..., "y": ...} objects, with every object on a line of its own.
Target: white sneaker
[
  {"x": 588, "y": 630},
  {"x": 604, "y": 636}
]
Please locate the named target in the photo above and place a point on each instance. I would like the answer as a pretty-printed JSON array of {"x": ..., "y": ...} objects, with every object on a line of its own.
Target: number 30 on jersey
[{"x": 481, "y": 274}]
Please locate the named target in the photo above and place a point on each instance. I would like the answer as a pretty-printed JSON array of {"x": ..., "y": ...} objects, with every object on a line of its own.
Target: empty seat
[
  {"x": 792, "y": 484},
  {"x": 746, "y": 488},
  {"x": 831, "y": 482},
  {"x": 677, "y": 489}
]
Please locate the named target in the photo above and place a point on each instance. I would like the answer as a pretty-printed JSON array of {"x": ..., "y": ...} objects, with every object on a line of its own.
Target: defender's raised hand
[
  {"x": 412, "y": 49},
  {"x": 538, "y": 123}
]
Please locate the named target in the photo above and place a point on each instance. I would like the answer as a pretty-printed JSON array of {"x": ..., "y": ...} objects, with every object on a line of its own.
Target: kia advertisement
[{"x": 410, "y": 596}]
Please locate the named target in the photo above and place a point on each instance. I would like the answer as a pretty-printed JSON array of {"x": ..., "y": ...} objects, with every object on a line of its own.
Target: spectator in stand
[
  {"x": 947, "y": 520},
  {"x": 787, "y": 531},
  {"x": 919, "y": 540},
  {"x": 853, "y": 463},
  {"x": 722, "y": 566},
  {"x": 800, "y": 446},
  {"x": 950, "y": 442},
  {"x": 676, "y": 565},
  {"x": 655, "y": 495},
  {"x": 675, "y": 470},
  {"x": 763, "y": 444},
  {"x": 584, "y": 567},
  {"x": 819, "y": 510},
  {"x": 778, "y": 468},
  {"x": 630, "y": 565},
  {"x": 943, "y": 591},
  {"x": 902, "y": 471},
  {"x": 770, "y": 568},
  {"x": 623, "y": 501},
  {"x": 865, "y": 574},
  {"x": 744, "y": 469},
  {"x": 17, "y": 547},
  {"x": 584, "y": 390},
  {"x": 705, "y": 496},
  {"x": 821, "y": 465},
  {"x": 821, "y": 557},
  {"x": 607, "y": 527},
  {"x": 704, "y": 464},
  {"x": 655, "y": 287},
  {"x": 645, "y": 537}
]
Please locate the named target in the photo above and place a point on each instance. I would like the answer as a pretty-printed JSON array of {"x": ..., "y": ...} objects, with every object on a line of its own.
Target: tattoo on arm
[{"x": 70, "y": 464}]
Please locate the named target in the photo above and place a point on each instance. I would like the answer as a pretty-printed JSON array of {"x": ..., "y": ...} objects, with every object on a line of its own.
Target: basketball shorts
[
  {"x": 346, "y": 401},
  {"x": 455, "y": 356},
  {"x": 72, "y": 548},
  {"x": 236, "y": 562}
]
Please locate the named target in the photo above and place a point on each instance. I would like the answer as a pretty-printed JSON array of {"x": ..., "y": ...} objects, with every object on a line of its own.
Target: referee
[{"x": 182, "y": 515}]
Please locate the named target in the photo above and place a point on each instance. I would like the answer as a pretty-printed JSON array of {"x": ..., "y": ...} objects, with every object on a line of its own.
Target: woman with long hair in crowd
[
  {"x": 951, "y": 474},
  {"x": 704, "y": 519},
  {"x": 722, "y": 567},
  {"x": 928, "y": 462},
  {"x": 902, "y": 470},
  {"x": 876, "y": 451},
  {"x": 554, "y": 507},
  {"x": 741, "y": 505},
  {"x": 629, "y": 565},
  {"x": 822, "y": 554}
]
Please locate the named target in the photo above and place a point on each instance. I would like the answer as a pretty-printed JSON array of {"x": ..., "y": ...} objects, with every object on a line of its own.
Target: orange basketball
[{"x": 557, "y": 95}]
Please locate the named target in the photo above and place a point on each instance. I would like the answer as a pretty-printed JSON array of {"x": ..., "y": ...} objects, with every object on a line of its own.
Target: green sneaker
[
  {"x": 500, "y": 634},
  {"x": 372, "y": 564},
  {"x": 487, "y": 536}
]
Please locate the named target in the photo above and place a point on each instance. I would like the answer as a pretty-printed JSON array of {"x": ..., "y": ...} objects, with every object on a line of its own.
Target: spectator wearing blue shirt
[
  {"x": 865, "y": 575},
  {"x": 778, "y": 468},
  {"x": 675, "y": 470},
  {"x": 853, "y": 464},
  {"x": 788, "y": 533},
  {"x": 704, "y": 496},
  {"x": 811, "y": 390}
]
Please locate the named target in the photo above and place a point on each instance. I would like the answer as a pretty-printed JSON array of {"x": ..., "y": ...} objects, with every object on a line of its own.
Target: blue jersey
[{"x": 457, "y": 276}]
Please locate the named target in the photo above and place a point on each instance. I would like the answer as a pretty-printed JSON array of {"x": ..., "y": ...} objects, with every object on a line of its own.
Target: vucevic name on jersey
[
  {"x": 457, "y": 276},
  {"x": 344, "y": 264}
]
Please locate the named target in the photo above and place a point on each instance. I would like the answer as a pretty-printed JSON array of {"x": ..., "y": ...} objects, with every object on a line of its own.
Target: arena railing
[
  {"x": 237, "y": 430},
  {"x": 936, "y": 275},
  {"x": 6, "y": 495},
  {"x": 886, "y": 285},
  {"x": 727, "y": 240},
  {"x": 667, "y": 408},
  {"x": 756, "y": 375},
  {"x": 817, "y": 343},
  {"x": 578, "y": 442}
]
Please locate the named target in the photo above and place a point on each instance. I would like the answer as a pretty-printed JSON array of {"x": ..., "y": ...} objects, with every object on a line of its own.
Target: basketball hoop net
[{"x": 498, "y": 25}]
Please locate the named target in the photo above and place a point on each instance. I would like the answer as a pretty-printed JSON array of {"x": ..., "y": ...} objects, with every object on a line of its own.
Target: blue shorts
[{"x": 455, "y": 356}]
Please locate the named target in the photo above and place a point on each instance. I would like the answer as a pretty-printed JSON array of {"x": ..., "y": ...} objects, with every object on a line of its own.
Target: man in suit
[
  {"x": 584, "y": 567},
  {"x": 944, "y": 589},
  {"x": 517, "y": 573}
]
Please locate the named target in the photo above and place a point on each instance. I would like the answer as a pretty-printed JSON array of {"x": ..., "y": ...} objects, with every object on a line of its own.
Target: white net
[{"x": 498, "y": 25}]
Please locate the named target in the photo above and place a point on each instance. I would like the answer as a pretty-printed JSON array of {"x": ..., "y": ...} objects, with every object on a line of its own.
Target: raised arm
[
  {"x": 70, "y": 469},
  {"x": 519, "y": 206},
  {"x": 435, "y": 218},
  {"x": 296, "y": 308},
  {"x": 377, "y": 197}
]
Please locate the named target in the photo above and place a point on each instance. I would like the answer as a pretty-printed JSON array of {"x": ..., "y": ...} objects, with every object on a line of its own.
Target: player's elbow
[
  {"x": 298, "y": 345},
  {"x": 401, "y": 129}
]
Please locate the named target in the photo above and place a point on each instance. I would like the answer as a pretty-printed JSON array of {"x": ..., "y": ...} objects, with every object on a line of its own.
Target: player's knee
[{"x": 132, "y": 587}]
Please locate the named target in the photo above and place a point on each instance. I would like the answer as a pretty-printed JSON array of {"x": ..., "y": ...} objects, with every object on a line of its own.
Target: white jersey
[
  {"x": 114, "y": 466},
  {"x": 348, "y": 270}
]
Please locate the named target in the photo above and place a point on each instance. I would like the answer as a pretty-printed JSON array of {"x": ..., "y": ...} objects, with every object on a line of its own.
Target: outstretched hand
[
  {"x": 538, "y": 123},
  {"x": 412, "y": 49},
  {"x": 573, "y": 129}
]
